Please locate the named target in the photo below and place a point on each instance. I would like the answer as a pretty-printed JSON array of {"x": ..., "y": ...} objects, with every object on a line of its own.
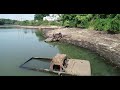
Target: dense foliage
[
  {"x": 40, "y": 16},
  {"x": 105, "y": 22},
  {"x": 7, "y": 21}
]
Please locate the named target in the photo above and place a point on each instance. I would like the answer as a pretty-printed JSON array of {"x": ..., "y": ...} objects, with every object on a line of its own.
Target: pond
[{"x": 19, "y": 45}]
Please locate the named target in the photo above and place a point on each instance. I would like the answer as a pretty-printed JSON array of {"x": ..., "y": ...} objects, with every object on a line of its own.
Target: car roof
[{"x": 59, "y": 58}]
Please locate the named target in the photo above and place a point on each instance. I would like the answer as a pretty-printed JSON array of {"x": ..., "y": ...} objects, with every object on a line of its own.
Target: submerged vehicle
[{"x": 63, "y": 66}]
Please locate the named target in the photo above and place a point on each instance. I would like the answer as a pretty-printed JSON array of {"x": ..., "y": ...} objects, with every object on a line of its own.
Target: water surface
[{"x": 19, "y": 45}]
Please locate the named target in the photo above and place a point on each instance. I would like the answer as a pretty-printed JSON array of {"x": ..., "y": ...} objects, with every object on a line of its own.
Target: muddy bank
[{"x": 106, "y": 45}]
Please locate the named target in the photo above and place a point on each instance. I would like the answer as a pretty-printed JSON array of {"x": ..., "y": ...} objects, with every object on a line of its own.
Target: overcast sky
[{"x": 18, "y": 16}]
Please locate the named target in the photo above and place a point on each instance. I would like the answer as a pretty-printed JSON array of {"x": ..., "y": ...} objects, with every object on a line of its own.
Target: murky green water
[{"x": 18, "y": 45}]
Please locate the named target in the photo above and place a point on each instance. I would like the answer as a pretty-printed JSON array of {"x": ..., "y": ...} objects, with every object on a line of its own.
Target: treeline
[
  {"x": 8, "y": 21},
  {"x": 38, "y": 20},
  {"x": 102, "y": 22}
]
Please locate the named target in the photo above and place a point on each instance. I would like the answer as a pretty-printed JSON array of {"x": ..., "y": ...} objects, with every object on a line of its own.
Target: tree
[
  {"x": 7, "y": 21},
  {"x": 1, "y": 22},
  {"x": 40, "y": 16},
  {"x": 104, "y": 22}
]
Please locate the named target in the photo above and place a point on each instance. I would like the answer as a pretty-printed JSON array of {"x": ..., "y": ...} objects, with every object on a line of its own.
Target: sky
[{"x": 18, "y": 16}]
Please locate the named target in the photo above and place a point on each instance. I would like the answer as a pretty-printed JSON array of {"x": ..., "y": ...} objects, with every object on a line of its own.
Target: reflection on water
[
  {"x": 19, "y": 45},
  {"x": 39, "y": 34}
]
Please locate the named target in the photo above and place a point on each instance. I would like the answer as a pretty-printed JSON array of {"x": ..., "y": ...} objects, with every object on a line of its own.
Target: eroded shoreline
[{"x": 106, "y": 45}]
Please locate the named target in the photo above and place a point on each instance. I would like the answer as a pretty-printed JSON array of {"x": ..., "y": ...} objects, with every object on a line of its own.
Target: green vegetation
[
  {"x": 7, "y": 21},
  {"x": 102, "y": 22},
  {"x": 40, "y": 16},
  {"x": 38, "y": 20}
]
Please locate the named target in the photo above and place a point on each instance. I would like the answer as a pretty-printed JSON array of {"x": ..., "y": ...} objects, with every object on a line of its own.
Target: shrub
[
  {"x": 55, "y": 23},
  {"x": 110, "y": 25},
  {"x": 98, "y": 24},
  {"x": 66, "y": 23},
  {"x": 114, "y": 26}
]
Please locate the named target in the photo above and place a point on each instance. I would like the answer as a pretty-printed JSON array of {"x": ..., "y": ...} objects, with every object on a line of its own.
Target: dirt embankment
[{"x": 106, "y": 45}]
